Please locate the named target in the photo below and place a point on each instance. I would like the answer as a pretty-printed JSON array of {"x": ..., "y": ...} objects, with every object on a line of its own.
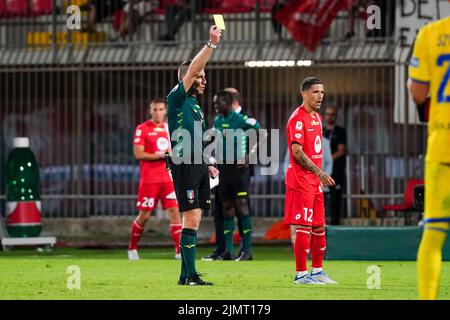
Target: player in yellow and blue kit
[{"x": 429, "y": 73}]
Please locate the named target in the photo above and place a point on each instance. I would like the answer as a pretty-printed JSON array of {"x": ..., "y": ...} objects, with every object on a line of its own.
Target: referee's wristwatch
[{"x": 211, "y": 45}]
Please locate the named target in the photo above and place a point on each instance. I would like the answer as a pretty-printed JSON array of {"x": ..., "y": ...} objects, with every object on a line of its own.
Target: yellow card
[{"x": 218, "y": 21}]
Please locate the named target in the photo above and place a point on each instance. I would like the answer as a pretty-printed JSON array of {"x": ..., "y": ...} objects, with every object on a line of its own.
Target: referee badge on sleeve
[{"x": 250, "y": 121}]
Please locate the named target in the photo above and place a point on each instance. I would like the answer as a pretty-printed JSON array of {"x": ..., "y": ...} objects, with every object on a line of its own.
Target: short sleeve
[
  {"x": 250, "y": 123},
  {"x": 138, "y": 137},
  {"x": 296, "y": 131},
  {"x": 419, "y": 70},
  {"x": 176, "y": 96}
]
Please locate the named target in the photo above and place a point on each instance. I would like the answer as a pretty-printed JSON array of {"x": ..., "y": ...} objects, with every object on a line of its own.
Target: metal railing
[
  {"x": 81, "y": 125},
  {"x": 80, "y": 104}
]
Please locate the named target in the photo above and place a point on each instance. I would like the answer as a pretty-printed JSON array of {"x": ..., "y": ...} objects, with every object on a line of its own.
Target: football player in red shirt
[
  {"x": 305, "y": 179},
  {"x": 151, "y": 142}
]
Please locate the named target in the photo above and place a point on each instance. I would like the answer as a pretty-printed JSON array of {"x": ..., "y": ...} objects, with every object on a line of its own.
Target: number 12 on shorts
[{"x": 308, "y": 213}]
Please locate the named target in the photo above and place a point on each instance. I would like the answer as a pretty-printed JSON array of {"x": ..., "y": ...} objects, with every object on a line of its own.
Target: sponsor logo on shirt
[
  {"x": 310, "y": 129},
  {"x": 152, "y": 133},
  {"x": 315, "y": 123},
  {"x": 162, "y": 144},
  {"x": 299, "y": 125},
  {"x": 138, "y": 132},
  {"x": 158, "y": 129},
  {"x": 317, "y": 144},
  {"x": 298, "y": 135}
]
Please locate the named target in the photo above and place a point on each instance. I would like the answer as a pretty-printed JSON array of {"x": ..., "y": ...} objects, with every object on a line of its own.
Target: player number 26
[
  {"x": 148, "y": 202},
  {"x": 308, "y": 214}
]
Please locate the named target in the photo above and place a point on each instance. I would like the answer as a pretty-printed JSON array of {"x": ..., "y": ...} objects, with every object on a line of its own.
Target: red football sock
[
  {"x": 301, "y": 248},
  {"x": 318, "y": 246},
  {"x": 136, "y": 232},
  {"x": 175, "y": 231}
]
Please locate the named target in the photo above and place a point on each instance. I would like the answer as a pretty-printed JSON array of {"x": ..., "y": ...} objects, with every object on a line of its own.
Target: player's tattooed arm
[{"x": 301, "y": 158}]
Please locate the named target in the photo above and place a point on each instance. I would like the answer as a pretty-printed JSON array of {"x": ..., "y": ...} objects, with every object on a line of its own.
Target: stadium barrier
[{"x": 375, "y": 243}]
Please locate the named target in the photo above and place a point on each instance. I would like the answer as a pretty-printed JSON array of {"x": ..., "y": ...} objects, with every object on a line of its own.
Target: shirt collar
[{"x": 227, "y": 116}]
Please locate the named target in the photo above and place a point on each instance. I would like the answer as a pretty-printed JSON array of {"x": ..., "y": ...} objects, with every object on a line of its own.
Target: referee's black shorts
[
  {"x": 234, "y": 182},
  {"x": 191, "y": 182}
]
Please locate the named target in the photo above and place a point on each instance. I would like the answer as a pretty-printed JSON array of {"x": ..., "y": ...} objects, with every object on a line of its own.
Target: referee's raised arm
[
  {"x": 200, "y": 60},
  {"x": 191, "y": 175}
]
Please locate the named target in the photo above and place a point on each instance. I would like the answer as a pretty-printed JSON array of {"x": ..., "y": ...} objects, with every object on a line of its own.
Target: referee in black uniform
[
  {"x": 190, "y": 171},
  {"x": 233, "y": 161},
  {"x": 220, "y": 249}
]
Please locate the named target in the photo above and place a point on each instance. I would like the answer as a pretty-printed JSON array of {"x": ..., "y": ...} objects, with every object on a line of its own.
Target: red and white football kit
[
  {"x": 155, "y": 181},
  {"x": 304, "y": 197}
]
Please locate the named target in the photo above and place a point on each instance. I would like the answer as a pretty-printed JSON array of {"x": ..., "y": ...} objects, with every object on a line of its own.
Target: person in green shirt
[
  {"x": 237, "y": 131},
  {"x": 190, "y": 171}
]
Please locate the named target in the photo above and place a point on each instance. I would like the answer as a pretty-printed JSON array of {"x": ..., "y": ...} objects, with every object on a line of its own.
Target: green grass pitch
[{"x": 107, "y": 274}]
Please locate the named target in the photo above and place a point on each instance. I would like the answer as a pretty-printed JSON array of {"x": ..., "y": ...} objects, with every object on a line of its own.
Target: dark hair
[
  {"x": 235, "y": 94},
  {"x": 309, "y": 82},
  {"x": 226, "y": 95},
  {"x": 182, "y": 70},
  {"x": 236, "y": 97},
  {"x": 158, "y": 100}
]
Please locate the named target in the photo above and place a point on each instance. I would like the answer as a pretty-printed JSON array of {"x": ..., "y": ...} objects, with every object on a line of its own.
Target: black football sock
[
  {"x": 188, "y": 242},
  {"x": 228, "y": 230},
  {"x": 247, "y": 230}
]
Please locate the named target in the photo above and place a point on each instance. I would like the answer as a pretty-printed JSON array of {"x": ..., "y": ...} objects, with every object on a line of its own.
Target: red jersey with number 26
[
  {"x": 306, "y": 130},
  {"x": 154, "y": 138}
]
